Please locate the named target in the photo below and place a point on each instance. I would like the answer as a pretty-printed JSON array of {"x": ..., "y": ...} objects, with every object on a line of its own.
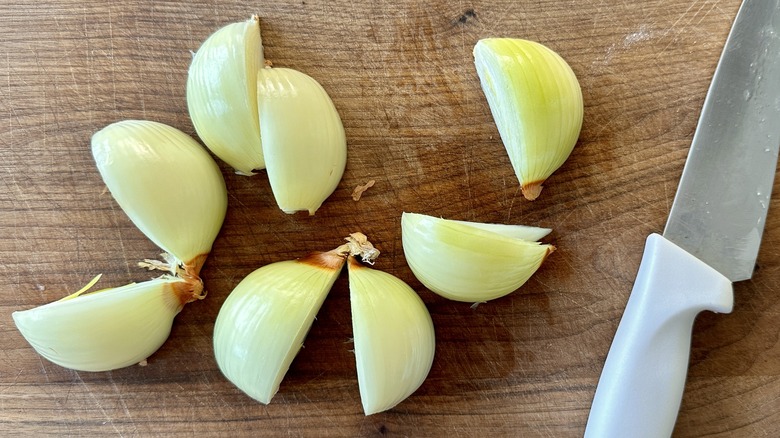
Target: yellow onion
[
  {"x": 394, "y": 337},
  {"x": 107, "y": 329},
  {"x": 167, "y": 184},
  {"x": 262, "y": 324},
  {"x": 536, "y": 103},
  {"x": 470, "y": 261},
  {"x": 221, "y": 94}
]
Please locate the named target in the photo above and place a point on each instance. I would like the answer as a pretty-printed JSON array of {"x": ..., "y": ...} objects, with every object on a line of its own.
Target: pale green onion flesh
[
  {"x": 394, "y": 337},
  {"x": 167, "y": 184},
  {"x": 470, "y": 262},
  {"x": 536, "y": 103},
  {"x": 104, "y": 330},
  {"x": 262, "y": 324},
  {"x": 222, "y": 92}
]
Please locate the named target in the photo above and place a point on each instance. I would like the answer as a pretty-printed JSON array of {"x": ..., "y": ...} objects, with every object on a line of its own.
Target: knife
[{"x": 711, "y": 238}]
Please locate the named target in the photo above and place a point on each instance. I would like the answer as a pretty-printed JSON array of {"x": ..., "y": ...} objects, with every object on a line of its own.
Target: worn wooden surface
[{"x": 403, "y": 80}]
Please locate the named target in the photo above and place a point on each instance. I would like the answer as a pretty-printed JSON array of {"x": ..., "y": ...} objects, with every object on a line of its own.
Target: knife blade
[{"x": 711, "y": 238}]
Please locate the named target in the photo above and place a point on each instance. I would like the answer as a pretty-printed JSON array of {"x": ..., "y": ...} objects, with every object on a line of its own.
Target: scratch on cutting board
[
  {"x": 684, "y": 14},
  {"x": 140, "y": 46},
  {"x": 18, "y": 190},
  {"x": 12, "y": 114},
  {"x": 251, "y": 218},
  {"x": 43, "y": 368},
  {"x": 568, "y": 214},
  {"x": 10, "y": 384},
  {"x": 121, "y": 398},
  {"x": 121, "y": 240},
  {"x": 496, "y": 22},
  {"x": 574, "y": 262},
  {"x": 89, "y": 67},
  {"x": 512, "y": 201},
  {"x": 641, "y": 35},
  {"x": 468, "y": 182},
  {"x": 465, "y": 48},
  {"x": 111, "y": 54},
  {"x": 667, "y": 197},
  {"x": 42, "y": 69},
  {"x": 412, "y": 160},
  {"x": 679, "y": 19},
  {"x": 674, "y": 25},
  {"x": 97, "y": 403},
  {"x": 722, "y": 13}
]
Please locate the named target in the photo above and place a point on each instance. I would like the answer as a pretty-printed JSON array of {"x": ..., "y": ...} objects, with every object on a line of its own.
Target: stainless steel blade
[{"x": 721, "y": 204}]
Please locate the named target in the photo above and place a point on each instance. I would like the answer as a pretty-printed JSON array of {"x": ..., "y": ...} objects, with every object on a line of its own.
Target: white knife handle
[{"x": 642, "y": 382}]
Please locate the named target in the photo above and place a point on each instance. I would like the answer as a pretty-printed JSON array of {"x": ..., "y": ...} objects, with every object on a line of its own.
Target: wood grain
[{"x": 402, "y": 78}]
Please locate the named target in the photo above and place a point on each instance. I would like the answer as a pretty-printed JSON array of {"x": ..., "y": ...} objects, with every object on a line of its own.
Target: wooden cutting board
[{"x": 402, "y": 78}]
